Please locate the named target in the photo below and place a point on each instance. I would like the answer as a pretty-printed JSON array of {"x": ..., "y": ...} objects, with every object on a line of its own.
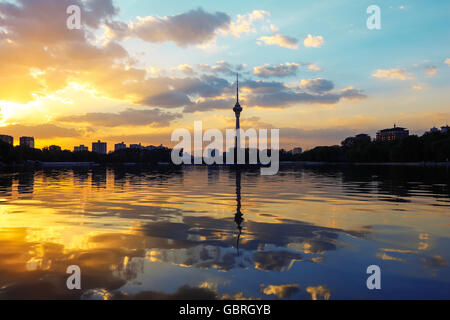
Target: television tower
[{"x": 237, "y": 111}]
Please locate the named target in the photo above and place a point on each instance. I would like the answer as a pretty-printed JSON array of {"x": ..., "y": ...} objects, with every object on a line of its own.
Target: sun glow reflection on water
[{"x": 157, "y": 234}]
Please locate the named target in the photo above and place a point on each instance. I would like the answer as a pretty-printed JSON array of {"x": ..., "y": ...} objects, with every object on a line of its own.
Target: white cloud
[
  {"x": 274, "y": 29},
  {"x": 195, "y": 27},
  {"x": 313, "y": 42},
  {"x": 245, "y": 23},
  {"x": 314, "y": 67},
  {"x": 279, "y": 40},
  {"x": 221, "y": 67},
  {"x": 190, "y": 28},
  {"x": 281, "y": 70},
  {"x": 316, "y": 85},
  {"x": 186, "y": 69},
  {"x": 395, "y": 74},
  {"x": 153, "y": 70},
  {"x": 431, "y": 70}
]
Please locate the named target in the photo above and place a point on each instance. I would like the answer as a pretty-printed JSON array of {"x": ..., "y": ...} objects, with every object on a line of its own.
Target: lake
[{"x": 309, "y": 232}]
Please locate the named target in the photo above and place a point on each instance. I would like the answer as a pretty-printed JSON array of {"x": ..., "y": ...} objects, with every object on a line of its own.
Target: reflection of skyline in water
[{"x": 166, "y": 234}]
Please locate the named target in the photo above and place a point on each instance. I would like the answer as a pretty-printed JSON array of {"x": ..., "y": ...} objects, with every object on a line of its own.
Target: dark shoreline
[
  {"x": 39, "y": 165},
  {"x": 402, "y": 164}
]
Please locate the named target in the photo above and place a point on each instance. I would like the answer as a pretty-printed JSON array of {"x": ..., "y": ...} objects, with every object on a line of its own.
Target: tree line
[{"x": 432, "y": 146}]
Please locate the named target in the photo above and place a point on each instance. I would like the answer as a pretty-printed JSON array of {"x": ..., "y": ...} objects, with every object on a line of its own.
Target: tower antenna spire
[{"x": 237, "y": 87}]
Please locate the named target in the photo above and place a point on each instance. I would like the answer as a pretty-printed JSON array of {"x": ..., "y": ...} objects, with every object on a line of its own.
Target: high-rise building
[
  {"x": 99, "y": 147},
  {"x": 7, "y": 139},
  {"x": 434, "y": 130},
  {"x": 120, "y": 146},
  {"x": 136, "y": 146},
  {"x": 80, "y": 148},
  {"x": 27, "y": 142},
  {"x": 392, "y": 134}
]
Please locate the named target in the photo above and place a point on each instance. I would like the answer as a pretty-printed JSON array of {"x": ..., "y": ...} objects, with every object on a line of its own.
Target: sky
[{"x": 137, "y": 70}]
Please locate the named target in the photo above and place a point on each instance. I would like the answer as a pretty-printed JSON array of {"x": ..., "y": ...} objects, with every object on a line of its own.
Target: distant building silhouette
[
  {"x": 80, "y": 148},
  {"x": 136, "y": 146},
  {"x": 99, "y": 147},
  {"x": 296, "y": 151},
  {"x": 7, "y": 139},
  {"x": 445, "y": 129},
  {"x": 27, "y": 142},
  {"x": 434, "y": 129},
  {"x": 392, "y": 134},
  {"x": 120, "y": 146}
]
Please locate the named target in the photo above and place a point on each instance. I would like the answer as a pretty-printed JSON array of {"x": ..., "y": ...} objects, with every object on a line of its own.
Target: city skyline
[
  {"x": 403, "y": 132},
  {"x": 124, "y": 78}
]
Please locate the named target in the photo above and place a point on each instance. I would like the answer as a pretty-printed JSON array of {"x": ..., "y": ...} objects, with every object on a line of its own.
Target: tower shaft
[{"x": 237, "y": 111}]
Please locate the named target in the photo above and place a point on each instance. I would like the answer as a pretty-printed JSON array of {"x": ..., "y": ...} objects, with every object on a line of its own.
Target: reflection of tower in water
[{"x": 238, "y": 217}]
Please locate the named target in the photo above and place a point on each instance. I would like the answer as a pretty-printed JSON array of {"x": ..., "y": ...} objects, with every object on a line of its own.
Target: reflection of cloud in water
[
  {"x": 283, "y": 291},
  {"x": 406, "y": 255},
  {"x": 176, "y": 243},
  {"x": 236, "y": 296},
  {"x": 113, "y": 259},
  {"x": 183, "y": 293},
  {"x": 38, "y": 270},
  {"x": 319, "y": 293},
  {"x": 275, "y": 260},
  {"x": 385, "y": 256},
  {"x": 110, "y": 260},
  {"x": 435, "y": 262},
  {"x": 116, "y": 228}
]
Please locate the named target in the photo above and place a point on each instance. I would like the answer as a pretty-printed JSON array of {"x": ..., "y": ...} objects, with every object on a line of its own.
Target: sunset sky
[{"x": 139, "y": 69}]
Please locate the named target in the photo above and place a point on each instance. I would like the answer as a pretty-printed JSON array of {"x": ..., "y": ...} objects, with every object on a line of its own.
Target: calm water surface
[{"x": 198, "y": 232}]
